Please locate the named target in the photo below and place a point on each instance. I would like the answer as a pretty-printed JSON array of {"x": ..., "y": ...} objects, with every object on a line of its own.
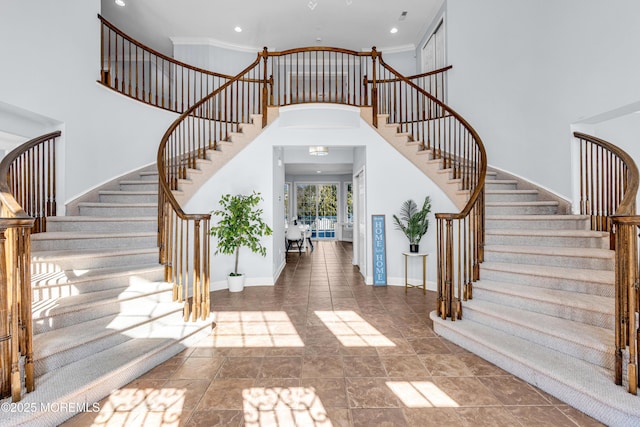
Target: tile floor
[{"x": 323, "y": 349}]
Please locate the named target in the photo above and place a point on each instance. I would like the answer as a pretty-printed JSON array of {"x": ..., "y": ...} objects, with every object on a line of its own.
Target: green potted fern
[
  {"x": 240, "y": 224},
  {"x": 413, "y": 222}
]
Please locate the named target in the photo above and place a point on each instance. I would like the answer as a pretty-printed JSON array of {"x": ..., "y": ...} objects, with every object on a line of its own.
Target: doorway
[
  {"x": 360, "y": 226},
  {"x": 317, "y": 207}
]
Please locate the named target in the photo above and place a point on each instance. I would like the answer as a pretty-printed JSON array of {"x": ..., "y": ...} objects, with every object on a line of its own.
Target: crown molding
[
  {"x": 395, "y": 49},
  {"x": 206, "y": 41}
]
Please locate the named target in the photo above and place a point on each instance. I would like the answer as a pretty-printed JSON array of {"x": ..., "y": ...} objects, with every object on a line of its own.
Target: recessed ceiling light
[
  {"x": 237, "y": 29},
  {"x": 393, "y": 30},
  {"x": 120, "y": 3},
  {"x": 318, "y": 171}
]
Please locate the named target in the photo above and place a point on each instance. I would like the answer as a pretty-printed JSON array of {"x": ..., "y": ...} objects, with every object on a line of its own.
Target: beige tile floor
[{"x": 323, "y": 349}]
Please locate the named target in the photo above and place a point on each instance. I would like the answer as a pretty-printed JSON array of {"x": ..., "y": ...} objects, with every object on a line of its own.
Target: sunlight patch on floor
[
  {"x": 352, "y": 330},
  {"x": 142, "y": 406},
  {"x": 421, "y": 394},
  {"x": 254, "y": 329},
  {"x": 283, "y": 406}
]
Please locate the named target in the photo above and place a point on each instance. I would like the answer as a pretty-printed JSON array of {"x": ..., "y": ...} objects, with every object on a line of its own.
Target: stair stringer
[
  {"x": 216, "y": 159},
  {"x": 410, "y": 149}
]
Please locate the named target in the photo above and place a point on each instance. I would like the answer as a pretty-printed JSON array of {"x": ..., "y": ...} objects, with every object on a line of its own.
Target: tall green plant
[
  {"x": 240, "y": 225},
  {"x": 414, "y": 223}
]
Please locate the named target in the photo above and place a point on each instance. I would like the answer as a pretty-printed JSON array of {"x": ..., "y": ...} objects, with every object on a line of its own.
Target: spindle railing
[
  {"x": 318, "y": 75},
  {"x": 608, "y": 189},
  {"x": 449, "y": 138},
  {"x": 27, "y": 198},
  {"x": 433, "y": 82},
  {"x": 184, "y": 238},
  {"x": 142, "y": 73},
  {"x": 326, "y": 75}
]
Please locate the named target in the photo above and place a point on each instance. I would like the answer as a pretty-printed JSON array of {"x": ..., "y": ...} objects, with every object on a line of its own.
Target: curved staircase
[
  {"x": 102, "y": 313},
  {"x": 543, "y": 308}
]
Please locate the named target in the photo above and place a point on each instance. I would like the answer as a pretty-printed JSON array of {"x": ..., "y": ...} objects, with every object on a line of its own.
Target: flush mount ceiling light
[
  {"x": 313, "y": 3},
  {"x": 318, "y": 150},
  {"x": 393, "y": 30},
  {"x": 237, "y": 29},
  {"x": 120, "y": 3}
]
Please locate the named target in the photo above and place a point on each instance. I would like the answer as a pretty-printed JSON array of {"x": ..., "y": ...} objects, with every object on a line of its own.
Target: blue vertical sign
[{"x": 379, "y": 251}]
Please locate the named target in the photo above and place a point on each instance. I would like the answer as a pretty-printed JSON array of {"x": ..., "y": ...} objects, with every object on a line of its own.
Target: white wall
[
  {"x": 391, "y": 180},
  {"x": 204, "y": 54},
  {"x": 403, "y": 61},
  {"x": 623, "y": 130},
  {"x": 51, "y": 60},
  {"x": 524, "y": 71}
]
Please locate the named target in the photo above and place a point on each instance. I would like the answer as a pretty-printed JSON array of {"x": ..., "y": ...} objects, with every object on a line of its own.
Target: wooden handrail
[
  {"x": 609, "y": 181},
  {"x": 27, "y": 198},
  {"x": 332, "y": 75},
  {"x": 431, "y": 81},
  {"x": 452, "y": 139},
  {"x": 140, "y": 72},
  {"x": 184, "y": 238},
  {"x": 30, "y": 187}
]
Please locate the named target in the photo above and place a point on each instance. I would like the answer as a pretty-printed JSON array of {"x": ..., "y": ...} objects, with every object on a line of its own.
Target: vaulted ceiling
[{"x": 277, "y": 24}]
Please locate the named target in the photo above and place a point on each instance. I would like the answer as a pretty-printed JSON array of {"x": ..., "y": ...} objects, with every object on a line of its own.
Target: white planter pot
[{"x": 235, "y": 283}]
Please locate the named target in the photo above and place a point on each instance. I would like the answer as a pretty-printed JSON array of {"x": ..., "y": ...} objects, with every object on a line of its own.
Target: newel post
[
  {"x": 5, "y": 328},
  {"x": 265, "y": 89},
  {"x": 374, "y": 87}
]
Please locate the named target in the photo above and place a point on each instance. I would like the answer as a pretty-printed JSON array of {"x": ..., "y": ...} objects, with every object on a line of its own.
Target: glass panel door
[{"x": 317, "y": 206}]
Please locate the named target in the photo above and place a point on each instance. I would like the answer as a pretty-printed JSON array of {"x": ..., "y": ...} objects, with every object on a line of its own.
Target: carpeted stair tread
[
  {"x": 130, "y": 192},
  {"x": 67, "y": 277},
  {"x": 91, "y": 378},
  {"x": 59, "y": 235},
  {"x": 594, "y": 303},
  {"x": 580, "y": 384},
  {"x": 99, "y": 218},
  {"x": 516, "y": 203},
  {"x": 116, "y": 205},
  {"x": 546, "y": 232},
  {"x": 596, "y": 276},
  {"x": 538, "y": 217},
  {"x": 88, "y": 300},
  {"x": 86, "y": 253},
  {"x": 489, "y": 192},
  {"x": 568, "y": 330},
  {"x": 553, "y": 251},
  {"x": 54, "y": 341}
]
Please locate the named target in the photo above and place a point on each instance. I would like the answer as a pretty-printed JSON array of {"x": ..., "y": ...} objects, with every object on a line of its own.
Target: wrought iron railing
[
  {"x": 27, "y": 198},
  {"x": 608, "y": 190}
]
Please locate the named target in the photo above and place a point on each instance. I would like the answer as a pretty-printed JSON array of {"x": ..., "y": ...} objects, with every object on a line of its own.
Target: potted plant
[
  {"x": 414, "y": 223},
  {"x": 240, "y": 224}
]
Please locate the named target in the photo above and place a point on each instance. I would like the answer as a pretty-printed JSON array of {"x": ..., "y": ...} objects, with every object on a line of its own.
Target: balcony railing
[{"x": 142, "y": 73}]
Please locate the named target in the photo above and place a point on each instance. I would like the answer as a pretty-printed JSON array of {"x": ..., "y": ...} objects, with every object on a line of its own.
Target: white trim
[
  {"x": 609, "y": 115},
  {"x": 561, "y": 196},
  {"x": 206, "y": 41},
  {"x": 393, "y": 49},
  {"x": 249, "y": 281},
  {"x": 319, "y": 106}
]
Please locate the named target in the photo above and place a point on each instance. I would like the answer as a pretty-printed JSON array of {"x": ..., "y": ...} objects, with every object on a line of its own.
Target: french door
[{"x": 317, "y": 206}]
